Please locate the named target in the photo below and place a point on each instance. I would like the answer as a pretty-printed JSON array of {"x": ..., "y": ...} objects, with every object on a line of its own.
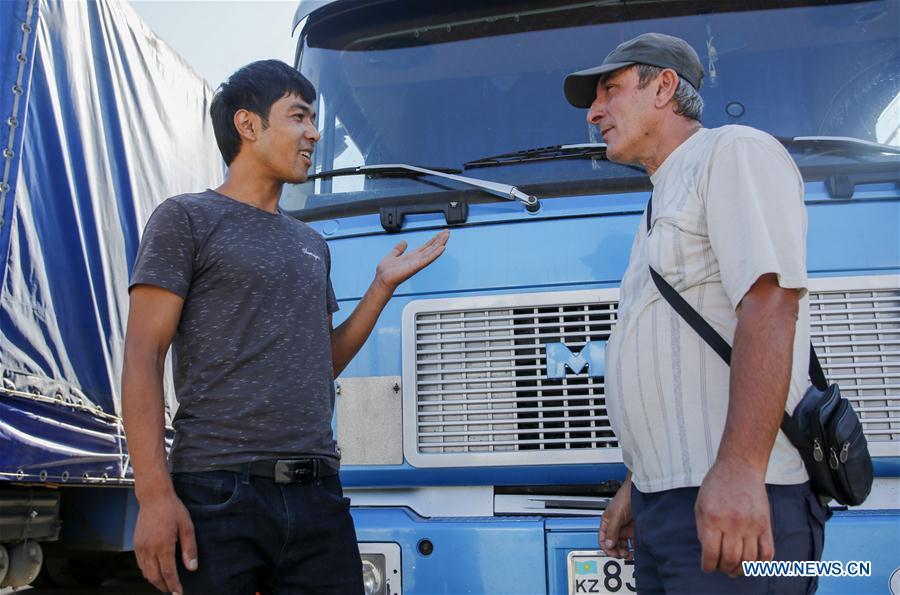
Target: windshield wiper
[
  {"x": 579, "y": 151},
  {"x": 496, "y": 188},
  {"x": 584, "y": 150},
  {"x": 841, "y": 179},
  {"x": 846, "y": 144}
]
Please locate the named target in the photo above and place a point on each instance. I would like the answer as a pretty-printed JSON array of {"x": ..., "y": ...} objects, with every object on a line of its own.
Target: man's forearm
[
  {"x": 143, "y": 412},
  {"x": 348, "y": 338},
  {"x": 761, "y": 363},
  {"x": 394, "y": 269}
]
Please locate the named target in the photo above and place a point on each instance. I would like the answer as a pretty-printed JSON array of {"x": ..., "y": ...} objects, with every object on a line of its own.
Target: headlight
[
  {"x": 373, "y": 574},
  {"x": 381, "y": 568}
]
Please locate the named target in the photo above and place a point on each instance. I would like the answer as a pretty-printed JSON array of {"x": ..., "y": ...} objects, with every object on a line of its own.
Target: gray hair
[{"x": 688, "y": 102}]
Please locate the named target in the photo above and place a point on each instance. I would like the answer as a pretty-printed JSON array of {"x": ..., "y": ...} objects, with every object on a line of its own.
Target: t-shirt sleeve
[
  {"x": 756, "y": 218},
  {"x": 330, "y": 300},
  {"x": 166, "y": 255}
]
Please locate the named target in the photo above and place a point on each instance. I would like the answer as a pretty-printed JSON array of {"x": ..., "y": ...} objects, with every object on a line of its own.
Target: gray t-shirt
[{"x": 252, "y": 352}]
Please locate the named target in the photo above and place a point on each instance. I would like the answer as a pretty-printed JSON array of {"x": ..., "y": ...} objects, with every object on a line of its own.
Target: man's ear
[
  {"x": 667, "y": 84},
  {"x": 247, "y": 124}
]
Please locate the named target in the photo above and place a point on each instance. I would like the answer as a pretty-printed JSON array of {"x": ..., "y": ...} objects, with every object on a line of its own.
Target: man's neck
[
  {"x": 672, "y": 134},
  {"x": 251, "y": 188}
]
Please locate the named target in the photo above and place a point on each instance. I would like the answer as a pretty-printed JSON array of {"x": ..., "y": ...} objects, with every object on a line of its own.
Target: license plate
[{"x": 590, "y": 571}]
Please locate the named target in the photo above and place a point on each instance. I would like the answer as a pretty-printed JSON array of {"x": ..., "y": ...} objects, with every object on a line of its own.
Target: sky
[{"x": 219, "y": 36}]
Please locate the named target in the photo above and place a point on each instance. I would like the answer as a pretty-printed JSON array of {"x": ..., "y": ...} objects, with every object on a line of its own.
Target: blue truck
[
  {"x": 476, "y": 444},
  {"x": 475, "y": 441}
]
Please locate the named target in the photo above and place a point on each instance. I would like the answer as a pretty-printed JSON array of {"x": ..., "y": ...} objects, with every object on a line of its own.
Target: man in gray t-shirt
[
  {"x": 251, "y": 362},
  {"x": 242, "y": 294}
]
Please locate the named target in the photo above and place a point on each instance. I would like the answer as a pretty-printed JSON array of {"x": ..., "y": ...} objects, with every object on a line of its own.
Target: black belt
[{"x": 286, "y": 470}]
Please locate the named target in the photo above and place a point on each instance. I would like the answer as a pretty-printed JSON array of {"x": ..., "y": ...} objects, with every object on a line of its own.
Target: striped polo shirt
[{"x": 727, "y": 209}]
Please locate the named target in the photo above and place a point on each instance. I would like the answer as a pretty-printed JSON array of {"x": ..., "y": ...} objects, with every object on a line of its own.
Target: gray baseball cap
[{"x": 654, "y": 49}]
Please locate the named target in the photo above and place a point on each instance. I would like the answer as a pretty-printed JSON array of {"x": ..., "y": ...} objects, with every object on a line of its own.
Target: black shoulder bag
[{"x": 824, "y": 428}]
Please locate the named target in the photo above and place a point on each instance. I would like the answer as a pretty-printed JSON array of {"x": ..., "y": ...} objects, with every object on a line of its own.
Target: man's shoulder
[
  {"x": 198, "y": 209},
  {"x": 710, "y": 144},
  {"x": 192, "y": 201},
  {"x": 730, "y": 133},
  {"x": 751, "y": 146}
]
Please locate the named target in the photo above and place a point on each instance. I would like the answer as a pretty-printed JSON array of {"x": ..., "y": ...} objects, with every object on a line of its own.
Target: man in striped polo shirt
[{"x": 711, "y": 480}]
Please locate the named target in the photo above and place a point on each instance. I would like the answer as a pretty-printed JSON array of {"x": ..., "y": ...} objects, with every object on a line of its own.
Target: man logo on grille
[{"x": 592, "y": 355}]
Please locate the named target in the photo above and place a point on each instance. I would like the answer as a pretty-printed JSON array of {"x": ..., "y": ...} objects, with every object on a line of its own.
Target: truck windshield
[{"x": 441, "y": 84}]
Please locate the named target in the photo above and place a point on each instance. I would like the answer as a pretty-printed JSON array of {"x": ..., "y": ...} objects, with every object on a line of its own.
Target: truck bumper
[{"x": 527, "y": 555}]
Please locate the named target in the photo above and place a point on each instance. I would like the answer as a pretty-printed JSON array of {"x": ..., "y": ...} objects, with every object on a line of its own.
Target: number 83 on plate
[{"x": 590, "y": 571}]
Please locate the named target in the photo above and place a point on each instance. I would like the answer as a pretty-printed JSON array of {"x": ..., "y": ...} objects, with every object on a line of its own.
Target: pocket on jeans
[
  {"x": 331, "y": 490},
  {"x": 212, "y": 490}
]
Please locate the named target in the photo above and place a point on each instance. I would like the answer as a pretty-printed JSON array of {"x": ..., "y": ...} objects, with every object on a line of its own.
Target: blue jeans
[
  {"x": 254, "y": 535},
  {"x": 667, "y": 549}
]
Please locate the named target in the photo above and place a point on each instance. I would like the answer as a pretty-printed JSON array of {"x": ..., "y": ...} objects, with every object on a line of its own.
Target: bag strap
[
  {"x": 707, "y": 332},
  {"x": 721, "y": 346},
  {"x": 816, "y": 375}
]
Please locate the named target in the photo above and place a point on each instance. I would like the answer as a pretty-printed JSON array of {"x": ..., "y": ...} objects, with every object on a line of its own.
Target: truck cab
[{"x": 476, "y": 446}]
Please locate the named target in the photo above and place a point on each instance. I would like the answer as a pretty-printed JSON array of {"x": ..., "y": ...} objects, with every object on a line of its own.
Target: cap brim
[{"x": 581, "y": 87}]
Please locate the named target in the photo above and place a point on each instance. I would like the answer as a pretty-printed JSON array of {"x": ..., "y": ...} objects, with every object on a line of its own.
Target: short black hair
[{"x": 254, "y": 87}]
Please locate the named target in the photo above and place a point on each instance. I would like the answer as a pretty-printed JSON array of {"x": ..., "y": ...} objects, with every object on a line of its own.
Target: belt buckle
[{"x": 295, "y": 470}]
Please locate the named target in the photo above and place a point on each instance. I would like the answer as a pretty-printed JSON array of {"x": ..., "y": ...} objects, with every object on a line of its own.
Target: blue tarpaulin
[{"x": 99, "y": 122}]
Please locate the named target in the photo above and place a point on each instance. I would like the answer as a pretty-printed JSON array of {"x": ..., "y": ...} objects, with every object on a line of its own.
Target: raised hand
[{"x": 399, "y": 265}]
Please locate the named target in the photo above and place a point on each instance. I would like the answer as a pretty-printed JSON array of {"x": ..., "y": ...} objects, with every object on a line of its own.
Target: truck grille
[
  {"x": 476, "y": 390},
  {"x": 480, "y": 380},
  {"x": 855, "y": 327}
]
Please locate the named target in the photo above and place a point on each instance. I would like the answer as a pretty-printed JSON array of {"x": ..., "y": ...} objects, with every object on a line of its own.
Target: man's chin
[
  {"x": 297, "y": 178},
  {"x": 615, "y": 155}
]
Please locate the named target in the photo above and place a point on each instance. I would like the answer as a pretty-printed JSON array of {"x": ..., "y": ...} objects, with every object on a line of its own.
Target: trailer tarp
[{"x": 101, "y": 121}]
